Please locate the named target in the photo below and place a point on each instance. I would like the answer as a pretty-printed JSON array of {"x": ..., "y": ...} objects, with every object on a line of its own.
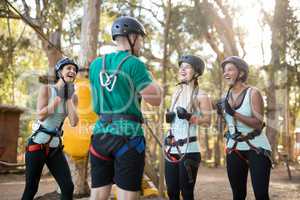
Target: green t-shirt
[{"x": 124, "y": 98}]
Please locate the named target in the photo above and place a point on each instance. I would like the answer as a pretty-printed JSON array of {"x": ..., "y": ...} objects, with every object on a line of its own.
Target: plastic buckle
[{"x": 180, "y": 142}]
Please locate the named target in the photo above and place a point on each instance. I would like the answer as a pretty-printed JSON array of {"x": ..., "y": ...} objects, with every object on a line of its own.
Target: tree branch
[
  {"x": 151, "y": 11},
  {"x": 224, "y": 29},
  {"x": 214, "y": 46}
]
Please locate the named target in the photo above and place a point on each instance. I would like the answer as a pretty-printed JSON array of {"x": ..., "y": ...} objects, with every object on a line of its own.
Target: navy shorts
[{"x": 126, "y": 171}]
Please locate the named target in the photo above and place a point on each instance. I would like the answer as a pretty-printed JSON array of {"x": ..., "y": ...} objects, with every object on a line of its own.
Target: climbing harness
[{"x": 38, "y": 127}]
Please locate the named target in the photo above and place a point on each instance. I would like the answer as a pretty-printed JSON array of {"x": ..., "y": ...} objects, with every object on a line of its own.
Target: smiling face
[
  {"x": 230, "y": 73},
  {"x": 69, "y": 73},
  {"x": 186, "y": 72}
]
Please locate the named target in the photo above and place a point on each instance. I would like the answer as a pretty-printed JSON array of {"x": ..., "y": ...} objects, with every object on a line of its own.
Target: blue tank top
[
  {"x": 52, "y": 122},
  {"x": 181, "y": 127},
  {"x": 245, "y": 109}
]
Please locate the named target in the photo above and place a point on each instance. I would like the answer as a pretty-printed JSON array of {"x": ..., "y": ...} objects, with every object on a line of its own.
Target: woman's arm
[
  {"x": 257, "y": 107},
  {"x": 71, "y": 108},
  {"x": 43, "y": 108},
  {"x": 206, "y": 109}
]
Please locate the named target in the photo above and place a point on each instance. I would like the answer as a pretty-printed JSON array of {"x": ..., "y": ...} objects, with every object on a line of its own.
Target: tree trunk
[
  {"x": 278, "y": 43},
  {"x": 53, "y": 54},
  {"x": 88, "y": 44},
  {"x": 79, "y": 173},
  {"x": 271, "y": 113},
  {"x": 293, "y": 136},
  {"x": 207, "y": 155},
  {"x": 89, "y": 32}
]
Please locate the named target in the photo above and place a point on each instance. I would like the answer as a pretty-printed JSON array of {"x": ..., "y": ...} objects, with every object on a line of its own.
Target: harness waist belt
[
  {"x": 239, "y": 137},
  {"x": 34, "y": 147},
  {"x": 137, "y": 143},
  {"x": 38, "y": 127},
  {"x": 37, "y": 147},
  {"x": 181, "y": 142},
  {"x": 111, "y": 117}
]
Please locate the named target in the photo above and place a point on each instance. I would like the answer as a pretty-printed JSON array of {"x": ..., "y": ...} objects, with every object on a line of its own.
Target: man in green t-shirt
[{"x": 119, "y": 81}]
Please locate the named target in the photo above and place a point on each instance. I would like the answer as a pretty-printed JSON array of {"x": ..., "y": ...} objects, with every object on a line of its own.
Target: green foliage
[
  {"x": 293, "y": 60},
  {"x": 11, "y": 44}
]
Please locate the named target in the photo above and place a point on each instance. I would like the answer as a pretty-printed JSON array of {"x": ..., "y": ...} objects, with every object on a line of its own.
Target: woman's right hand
[{"x": 170, "y": 116}]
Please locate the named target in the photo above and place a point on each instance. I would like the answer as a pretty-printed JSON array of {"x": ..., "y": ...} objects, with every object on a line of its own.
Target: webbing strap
[
  {"x": 98, "y": 155},
  {"x": 37, "y": 147},
  {"x": 137, "y": 143}
]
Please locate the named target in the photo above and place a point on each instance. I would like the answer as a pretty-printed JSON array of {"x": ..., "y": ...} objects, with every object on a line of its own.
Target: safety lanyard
[
  {"x": 243, "y": 93},
  {"x": 191, "y": 104}
]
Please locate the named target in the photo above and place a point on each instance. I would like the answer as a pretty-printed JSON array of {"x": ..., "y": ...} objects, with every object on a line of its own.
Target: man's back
[{"x": 132, "y": 77}]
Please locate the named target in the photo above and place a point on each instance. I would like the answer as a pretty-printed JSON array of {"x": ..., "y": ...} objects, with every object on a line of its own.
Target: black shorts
[{"x": 126, "y": 171}]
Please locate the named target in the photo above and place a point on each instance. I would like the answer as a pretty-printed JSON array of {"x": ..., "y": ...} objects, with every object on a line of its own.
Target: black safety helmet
[
  {"x": 240, "y": 64},
  {"x": 196, "y": 62},
  {"x": 63, "y": 62},
  {"x": 125, "y": 25}
]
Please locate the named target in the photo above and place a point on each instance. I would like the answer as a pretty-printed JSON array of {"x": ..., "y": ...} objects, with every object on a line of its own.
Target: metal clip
[{"x": 110, "y": 81}]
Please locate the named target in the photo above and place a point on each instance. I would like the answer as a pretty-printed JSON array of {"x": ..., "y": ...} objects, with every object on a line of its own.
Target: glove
[
  {"x": 228, "y": 109},
  {"x": 61, "y": 93},
  {"x": 182, "y": 113},
  {"x": 170, "y": 116},
  {"x": 67, "y": 91},
  {"x": 70, "y": 89},
  {"x": 220, "y": 106}
]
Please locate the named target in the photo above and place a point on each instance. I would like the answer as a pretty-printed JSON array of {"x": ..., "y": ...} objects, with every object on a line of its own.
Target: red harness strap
[
  {"x": 233, "y": 149},
  {"x": 37, "y": 147},
  {"x": 98, "y": 155}
]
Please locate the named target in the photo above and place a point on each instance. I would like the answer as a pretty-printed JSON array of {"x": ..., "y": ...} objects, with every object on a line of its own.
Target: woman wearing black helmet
[
  {"x": 247, "y": 146},
  {"x": 54, "y": 104},
  {"x": 190, "y": 107}
]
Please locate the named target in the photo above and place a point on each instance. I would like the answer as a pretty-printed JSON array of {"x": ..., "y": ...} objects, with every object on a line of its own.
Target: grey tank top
[{"x": 52, "y": 122}]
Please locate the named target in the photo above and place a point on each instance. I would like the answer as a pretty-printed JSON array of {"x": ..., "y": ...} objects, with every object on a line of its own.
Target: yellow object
[
  {"x": 150, "y": 192},
  {"x": 76, "y": 140},
  {"x": 147, "y": 190}
]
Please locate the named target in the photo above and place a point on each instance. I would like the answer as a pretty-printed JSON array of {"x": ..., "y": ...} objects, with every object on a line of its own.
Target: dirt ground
[{"x": 212, "y": 184}]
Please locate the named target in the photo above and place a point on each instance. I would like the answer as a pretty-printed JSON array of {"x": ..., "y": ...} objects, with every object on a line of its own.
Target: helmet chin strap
[
  {"x": 182, "y": 83},
  {"x": 227, "y": 94},
  {"x": 62, "y": 77},
  {"x": 187, "y": 82},
  {"x": 131, "y": 44}
]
